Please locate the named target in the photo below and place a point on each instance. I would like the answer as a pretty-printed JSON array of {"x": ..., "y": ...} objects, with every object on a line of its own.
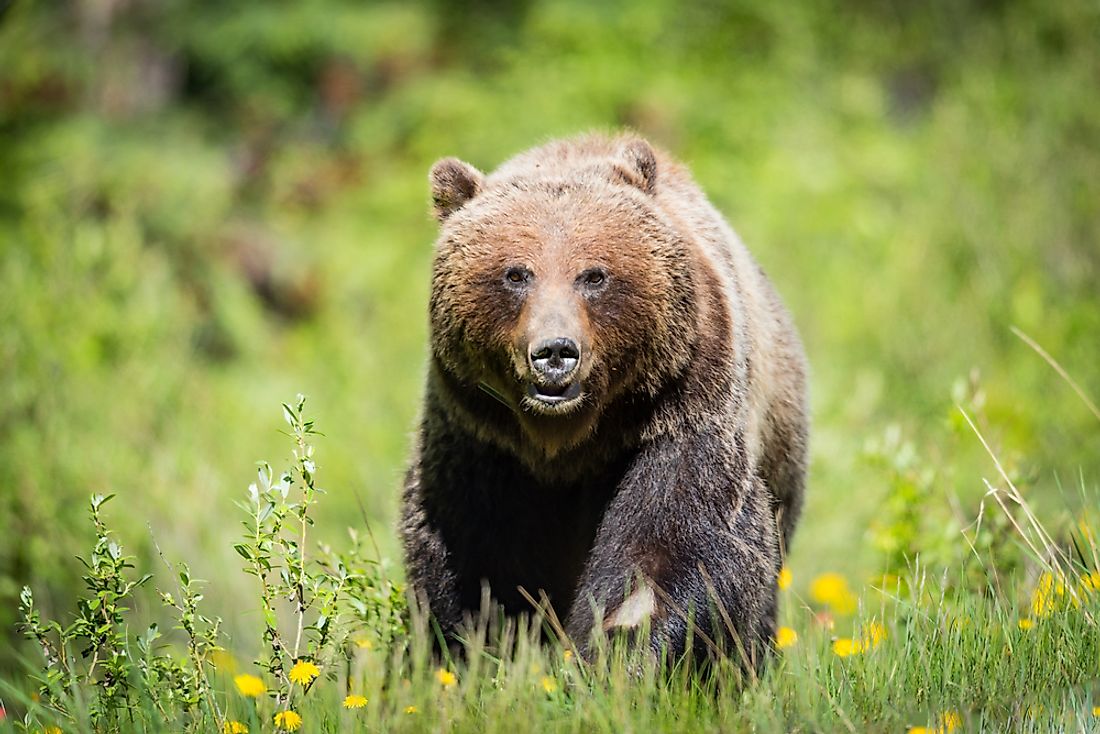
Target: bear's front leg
[
  {"x": 429, "y": 563},
  {"x": 687, "y": 549}
]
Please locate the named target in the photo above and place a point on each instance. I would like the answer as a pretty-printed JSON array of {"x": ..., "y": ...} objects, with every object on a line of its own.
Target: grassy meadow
[{"x": 206, "y": 209}]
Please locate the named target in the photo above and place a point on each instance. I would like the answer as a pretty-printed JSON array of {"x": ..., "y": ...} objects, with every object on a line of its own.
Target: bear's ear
[
  {"x": 453, "y": 184},
  {"x": 637, "y": 165}
]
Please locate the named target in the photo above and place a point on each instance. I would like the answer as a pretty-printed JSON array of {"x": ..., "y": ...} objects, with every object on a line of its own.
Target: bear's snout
[
  {"x": 553, "y": 364},
  {"x": 554, "y": 359}
]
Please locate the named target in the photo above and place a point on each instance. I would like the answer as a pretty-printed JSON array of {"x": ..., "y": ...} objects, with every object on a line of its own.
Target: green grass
[
  {"x": 941, "y": 655},
  {"x": 972, "y": 647}
]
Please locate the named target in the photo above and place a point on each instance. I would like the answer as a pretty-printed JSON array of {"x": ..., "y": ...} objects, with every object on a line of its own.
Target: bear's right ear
[
  {"x": 637, "y": 165},
  {"x": 453, "y": 184}
]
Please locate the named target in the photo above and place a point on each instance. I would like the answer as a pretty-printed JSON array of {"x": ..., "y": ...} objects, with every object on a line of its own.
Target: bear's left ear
[
  {"x": 637, "y": 165},
  {"x": 453, "y": 184}
]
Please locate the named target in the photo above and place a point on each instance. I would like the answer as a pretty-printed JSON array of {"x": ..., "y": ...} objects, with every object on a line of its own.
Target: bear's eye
[
  {"x": 516, "y": 275},
  {"x": 594, "y": 277}
]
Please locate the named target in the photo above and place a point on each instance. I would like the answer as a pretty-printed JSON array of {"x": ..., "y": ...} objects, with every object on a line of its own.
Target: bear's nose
[{"x": 555, "y": 358}]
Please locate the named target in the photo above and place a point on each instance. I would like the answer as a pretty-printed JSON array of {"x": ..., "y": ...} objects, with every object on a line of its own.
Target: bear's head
[{"x": 560, "y": 287}]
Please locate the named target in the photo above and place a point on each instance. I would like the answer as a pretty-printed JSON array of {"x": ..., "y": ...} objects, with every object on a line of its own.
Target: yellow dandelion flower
[
  {"x": 1025, "y": 624},
  {"x": 873, "y": 635},
  {"x": 832, "y": 589},
  {"x": 785, "y": 578},
  {"x": 304, "y": 672},
  {"x": 1048, "y": 594},
  {"x": 355, "y": 702},
  {"x": 411, "y": 710},
  {"x": 918, "y": 730},
  {"x": 52, "y": 730},
  {"x": 548, "y": 684},
  {"x": 1041, "y": 602},
  {"x": 446, "y": 678},
  {"x": 845, "y": 646},
  {"x": 1090, "y": 582},
  {"x": 234, "y": 727},
  {"x": 949, "y": 721},
  {"x": 827, "y": 587},
  {"x": 785, "y": 637},
  {"x": 364, "y": 643},
  {"x": 567, "y": 655},
  {"x": 288, "y": 720},
  {"x": 1096, "y": 710},
  {"x": 249, "y": 685}
]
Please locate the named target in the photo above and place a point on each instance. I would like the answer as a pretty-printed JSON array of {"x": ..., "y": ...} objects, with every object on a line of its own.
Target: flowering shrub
[{"x": 317, "y": 607}]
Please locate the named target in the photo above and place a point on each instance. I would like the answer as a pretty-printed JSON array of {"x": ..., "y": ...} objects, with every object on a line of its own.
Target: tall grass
[{"x": 929, "y": 648}]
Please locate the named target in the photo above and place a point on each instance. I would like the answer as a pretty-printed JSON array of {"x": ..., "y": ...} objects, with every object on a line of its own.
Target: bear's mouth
[{"x": 554, "y": 394}]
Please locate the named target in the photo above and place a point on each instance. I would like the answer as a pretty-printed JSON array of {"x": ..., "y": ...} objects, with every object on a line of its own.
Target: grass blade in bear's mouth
[
  {"x": 491, "y": 392},
  {"x": 554, "y": 393}
]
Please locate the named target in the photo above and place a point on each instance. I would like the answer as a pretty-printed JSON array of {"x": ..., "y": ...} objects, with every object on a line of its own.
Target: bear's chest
[{"x": 514, "y": 532}]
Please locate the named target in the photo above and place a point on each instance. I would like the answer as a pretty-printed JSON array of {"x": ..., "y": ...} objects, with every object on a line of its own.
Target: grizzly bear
[{"x": 615, "y": 416}]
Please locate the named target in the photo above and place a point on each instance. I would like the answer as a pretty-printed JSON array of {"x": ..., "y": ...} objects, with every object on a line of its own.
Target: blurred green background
[{"x": 206, "y": 207}]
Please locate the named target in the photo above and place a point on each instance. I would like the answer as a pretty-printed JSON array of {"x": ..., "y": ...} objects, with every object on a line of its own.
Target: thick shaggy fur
[{"x": 665, "y": 492}]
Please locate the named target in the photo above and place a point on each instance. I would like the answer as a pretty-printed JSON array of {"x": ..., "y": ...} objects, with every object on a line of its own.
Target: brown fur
[{"x": 687, "y": 442}]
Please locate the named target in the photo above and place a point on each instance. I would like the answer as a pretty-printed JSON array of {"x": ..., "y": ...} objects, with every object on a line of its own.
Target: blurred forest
[{"x": 206, "y": 207}]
